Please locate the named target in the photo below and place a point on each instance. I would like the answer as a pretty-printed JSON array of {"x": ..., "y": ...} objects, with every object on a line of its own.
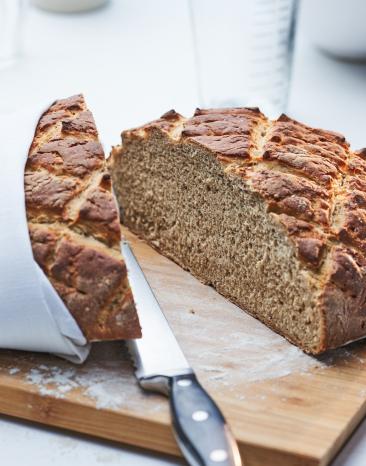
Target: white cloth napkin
[{"x": 32, "y": 315}]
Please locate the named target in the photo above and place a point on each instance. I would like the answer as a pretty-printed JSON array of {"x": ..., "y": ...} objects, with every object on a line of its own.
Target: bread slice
[
  {"x": 74, "y": 223},
  {"x": 270, "y": 213}
]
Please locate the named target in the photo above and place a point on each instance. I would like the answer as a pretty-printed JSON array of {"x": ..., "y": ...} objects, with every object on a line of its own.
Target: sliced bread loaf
[
  {"x": 270, "y": 213},
  {"x": 74, "y": 223}
]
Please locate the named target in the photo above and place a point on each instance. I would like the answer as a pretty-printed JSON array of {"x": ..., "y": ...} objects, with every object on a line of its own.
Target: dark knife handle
[{"x": 200, "y": 428}]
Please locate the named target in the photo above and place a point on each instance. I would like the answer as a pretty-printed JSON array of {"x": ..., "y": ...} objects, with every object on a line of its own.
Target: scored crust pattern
[
  {"x": 313, "y": 185},
  {"x": 74, "y": 222}
]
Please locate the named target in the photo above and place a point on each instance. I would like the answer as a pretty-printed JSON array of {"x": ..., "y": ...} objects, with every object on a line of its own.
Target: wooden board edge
[
  {"x": 121, "y": 428},
  {"x": 60, "y": 412},
  {"x": 344, "y": 436}
]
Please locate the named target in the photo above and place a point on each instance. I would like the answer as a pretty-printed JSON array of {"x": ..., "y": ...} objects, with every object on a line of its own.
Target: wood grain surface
[{"x": 285, "y": 408}]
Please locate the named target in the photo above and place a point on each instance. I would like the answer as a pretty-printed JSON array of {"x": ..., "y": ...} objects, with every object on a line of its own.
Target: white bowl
[
  {"x": 68, "y": 6},
  {"x": 337, "y": 27}
]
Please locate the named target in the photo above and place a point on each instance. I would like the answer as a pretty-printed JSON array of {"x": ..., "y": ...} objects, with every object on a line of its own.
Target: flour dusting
[
  {"x": 52, "y": 381},
  {"x": 241, "y": 350},
  {"x": 106, "y": 378},
  {"x": 106, "y": 387}
]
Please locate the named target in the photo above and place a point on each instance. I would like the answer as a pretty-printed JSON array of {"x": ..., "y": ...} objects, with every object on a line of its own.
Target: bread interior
[{"x": 177, "y": 196}]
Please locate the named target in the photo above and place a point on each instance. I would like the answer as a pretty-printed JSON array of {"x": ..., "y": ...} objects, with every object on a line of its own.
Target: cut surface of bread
[
  {"x": 74, "y": 224},
  {"x": 272, "y": 214}
]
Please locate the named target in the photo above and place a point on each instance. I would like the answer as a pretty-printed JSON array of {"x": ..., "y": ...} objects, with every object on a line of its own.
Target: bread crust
[
  {"x": 74, "y": 224},
  {"x": 313, "y": 185}
]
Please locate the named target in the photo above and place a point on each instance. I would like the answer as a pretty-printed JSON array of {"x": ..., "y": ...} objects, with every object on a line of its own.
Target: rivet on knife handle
[
  {"x": 199, "y": 426},
  {"x": 196, "y": 416}
]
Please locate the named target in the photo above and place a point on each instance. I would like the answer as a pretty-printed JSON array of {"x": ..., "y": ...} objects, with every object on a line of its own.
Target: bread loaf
[
  {"x": 74, "y": 224},
  {"x": 270, "y": 213}
]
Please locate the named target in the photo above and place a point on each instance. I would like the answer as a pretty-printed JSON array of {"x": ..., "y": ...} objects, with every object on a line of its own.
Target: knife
[{"x": 201, "y": 431}]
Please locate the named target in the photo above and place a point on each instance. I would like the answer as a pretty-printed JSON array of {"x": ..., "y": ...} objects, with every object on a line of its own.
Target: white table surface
[{"x": 133, "y": 60}]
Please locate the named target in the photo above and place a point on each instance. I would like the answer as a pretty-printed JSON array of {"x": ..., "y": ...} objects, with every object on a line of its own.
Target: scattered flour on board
[
  {"x": 105, "y": 387},
  {"x": 107, "y": 378},
  {"x": 240, "y": 350},
  {"x": 248, "y": 364}
]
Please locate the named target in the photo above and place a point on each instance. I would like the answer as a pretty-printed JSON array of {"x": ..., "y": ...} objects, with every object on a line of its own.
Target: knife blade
[{"x": 201, "y": 430}]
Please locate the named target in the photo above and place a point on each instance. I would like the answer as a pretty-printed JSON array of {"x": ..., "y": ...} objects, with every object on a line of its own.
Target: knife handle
[{"x": 200, "y": 428}]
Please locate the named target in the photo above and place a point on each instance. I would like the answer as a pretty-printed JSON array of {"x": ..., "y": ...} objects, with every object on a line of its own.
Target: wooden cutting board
[{"x": 284, "y": 407}]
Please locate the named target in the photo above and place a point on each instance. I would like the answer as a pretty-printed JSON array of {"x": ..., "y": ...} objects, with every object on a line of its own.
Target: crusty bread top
[
  {"x": 302, "y": 172},
  {"x": 74, "y": 222},
  {"x": 313, "y": 185}
]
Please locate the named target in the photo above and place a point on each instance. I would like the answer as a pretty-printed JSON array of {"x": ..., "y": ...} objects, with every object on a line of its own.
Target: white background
[{"x": 133, "y": 60}]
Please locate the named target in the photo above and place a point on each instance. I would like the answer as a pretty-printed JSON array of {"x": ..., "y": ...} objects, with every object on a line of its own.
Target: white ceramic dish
[
  {"x": 338, "y": 27},
  {"x": 68, "y": 6}
]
